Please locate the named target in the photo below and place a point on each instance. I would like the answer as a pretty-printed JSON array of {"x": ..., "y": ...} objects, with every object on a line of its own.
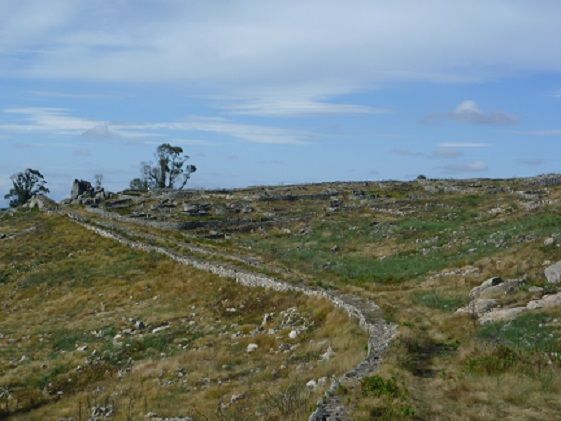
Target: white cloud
[
  {"x": 282, "y": 107},
  {"x": 59, "y": 121},
  {"x": 408, "y": 153},
  {"x": 467, "y": 167},
  {"x": 468, "y": 111},
  {"x": 447, "y": 152},
  {"x": 532, "y": 162},
  {"x": 101, "y": 131},
  {"x": 544, "y": 132},
  {"x": 247, "y": 45},
  {"x": 463, "y": 145}
]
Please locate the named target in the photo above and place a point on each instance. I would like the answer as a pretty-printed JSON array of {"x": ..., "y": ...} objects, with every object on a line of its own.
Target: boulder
[
  {"x": 553, "y": 273},
  {"x": 504, "y": 288},
  {"x": 478, "y": 306},
  {"x": 491, "y": 282},
  {"x": 552, "y": 300},
  {"x": 81, "y": 187},
  {"x": 41, "y": 202},
  {"x": 502, "y": 315}
]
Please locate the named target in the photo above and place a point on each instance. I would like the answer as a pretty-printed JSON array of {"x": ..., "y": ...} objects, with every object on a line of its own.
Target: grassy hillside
[
  {"x": 416, "y": 249},
  {"x": 89, "y": 325}
]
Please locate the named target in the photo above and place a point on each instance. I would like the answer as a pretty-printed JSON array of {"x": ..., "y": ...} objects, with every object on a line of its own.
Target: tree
[
  {"x": 26, "y": 184},
  {"x": 170, "y": 170},
  {"x": 138, "y": 184},
  {"x": 98, "y": 181}
]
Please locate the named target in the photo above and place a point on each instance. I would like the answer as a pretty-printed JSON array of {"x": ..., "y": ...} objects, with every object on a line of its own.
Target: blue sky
[{"x": 280, "y": 92}]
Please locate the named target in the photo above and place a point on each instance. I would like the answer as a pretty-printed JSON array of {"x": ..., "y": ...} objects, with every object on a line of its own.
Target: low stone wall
[{"x": 366, "y": 313}]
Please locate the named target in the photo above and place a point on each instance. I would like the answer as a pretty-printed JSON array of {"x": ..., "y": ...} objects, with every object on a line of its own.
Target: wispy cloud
[
  {"x": 467, "y": 167},
  {"x": 271, "y": 162},
  {"x": 287, "y": 107},
  {"x": 463, "y": 145},
  {"x": 468, "y": 111},
  {"x": 70, "y": 95},
  {"x": 531, "y": 162},
  {"x": 59, "y": 121},
  {"x": 447, "y": 152},
  {"x": 408, "y": 153},
  {"x": 292, "y": 42},
  {"x": 541, "y": 132}
]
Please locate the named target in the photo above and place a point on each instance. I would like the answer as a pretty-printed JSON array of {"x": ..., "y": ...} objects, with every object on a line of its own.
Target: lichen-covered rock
[
  {"x": 502, "y": 315},
  {"x": 546, "y": 301},
  {"x": 553, "y": 273},
  {"x": 479, "y": 306},
  {"x": 491, "y": 282}
]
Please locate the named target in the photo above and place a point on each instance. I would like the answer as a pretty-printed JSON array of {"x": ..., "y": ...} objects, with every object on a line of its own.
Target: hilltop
[{"x": 464, "y": 269}]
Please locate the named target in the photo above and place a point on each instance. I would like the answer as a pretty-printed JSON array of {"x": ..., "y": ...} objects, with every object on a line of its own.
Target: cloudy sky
[{"x": 281, "y": 91}]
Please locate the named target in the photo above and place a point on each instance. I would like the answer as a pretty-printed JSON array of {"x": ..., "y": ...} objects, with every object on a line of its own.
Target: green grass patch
[
  {"x": 531, "y": 331},
  {"x": 378, "y": 386},
  {"x": 438, "y": 301}
]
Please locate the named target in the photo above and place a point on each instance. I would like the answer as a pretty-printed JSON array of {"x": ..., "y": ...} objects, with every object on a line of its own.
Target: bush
[
  {"x": 378, "y": 386},
  {"x": 498, "y": 361}
]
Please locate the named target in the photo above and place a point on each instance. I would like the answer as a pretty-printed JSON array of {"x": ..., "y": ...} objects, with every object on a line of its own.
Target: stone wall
[{"x": 366, "y": 313}]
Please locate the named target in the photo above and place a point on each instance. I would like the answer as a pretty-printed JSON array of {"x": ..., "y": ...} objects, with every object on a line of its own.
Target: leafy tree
[
  {"x": 26, "y": 184},
  {"x": 138, "y": 184},
  {"x": 170, "y": 170}
]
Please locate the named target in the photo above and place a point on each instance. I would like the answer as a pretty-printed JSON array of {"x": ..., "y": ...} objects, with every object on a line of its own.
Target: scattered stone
[
  {"x": 101, "y": 412},
  {"x": 549, "y": 241},
  {"x": 535, "y": 289},
  {"x": 236, "y": 397},
  {"x": 266, "y": 319},
  {"x": 251, "y": 348},
  {"x": 312, "y": 384},
  {"x": 327, "y": 355},
  {"x": 293, "y": 334},
  {"x": 160, "y": 328},
  {"x": 197, "y": 209}
]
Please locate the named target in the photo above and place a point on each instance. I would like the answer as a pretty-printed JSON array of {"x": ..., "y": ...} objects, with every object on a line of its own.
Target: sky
[{"x": 280, "y": 92}]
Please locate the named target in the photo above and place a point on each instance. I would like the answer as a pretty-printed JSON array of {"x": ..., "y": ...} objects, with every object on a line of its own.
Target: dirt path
[{"x": 365, "y": 312}]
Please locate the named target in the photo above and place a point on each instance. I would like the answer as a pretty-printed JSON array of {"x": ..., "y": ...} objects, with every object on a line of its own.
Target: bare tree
[{"x": 98, "y": 181}]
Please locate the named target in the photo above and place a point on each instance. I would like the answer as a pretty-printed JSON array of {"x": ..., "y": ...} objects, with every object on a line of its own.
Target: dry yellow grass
[{"x": 64, "y": 289}]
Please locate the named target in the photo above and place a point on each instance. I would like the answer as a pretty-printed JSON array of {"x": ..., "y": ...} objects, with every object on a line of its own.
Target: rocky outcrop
[
  {"x": 479, "y": 306},
  {"x": 81, "y": 188},
  {"x": 83, "y": 193},
  {"x": 502, "y": 315},
  {"x": 485, "y": 307},
  {"x": 40, "y": 202}
]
